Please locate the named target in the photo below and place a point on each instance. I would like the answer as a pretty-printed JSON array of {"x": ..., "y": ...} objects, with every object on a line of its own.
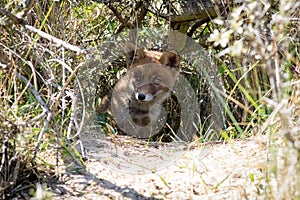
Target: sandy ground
[{"x": 234, "y": 170}]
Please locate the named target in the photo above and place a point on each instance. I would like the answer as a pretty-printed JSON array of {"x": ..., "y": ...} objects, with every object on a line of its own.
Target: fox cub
[{"x": 136, "y": 102}]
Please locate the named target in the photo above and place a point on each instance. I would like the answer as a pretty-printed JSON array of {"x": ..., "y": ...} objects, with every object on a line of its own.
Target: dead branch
[
  {"x": 33, "y": 90},
  {"x": 55, "y": 103},
  {"x": 13, "y": 18},
  {"x": 57, "y": 41}
]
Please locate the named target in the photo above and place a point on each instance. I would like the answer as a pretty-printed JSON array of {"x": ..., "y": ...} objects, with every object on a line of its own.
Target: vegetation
[{"x": 254, "y": 46}]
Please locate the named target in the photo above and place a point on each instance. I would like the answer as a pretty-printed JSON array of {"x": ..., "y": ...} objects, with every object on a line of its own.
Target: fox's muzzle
[
  {"x": 149, "y": 91},
  {"x": 143, "y": 97}
]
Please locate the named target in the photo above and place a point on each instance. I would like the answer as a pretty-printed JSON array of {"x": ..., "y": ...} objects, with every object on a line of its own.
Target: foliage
[{"x": 255, "y": 46}]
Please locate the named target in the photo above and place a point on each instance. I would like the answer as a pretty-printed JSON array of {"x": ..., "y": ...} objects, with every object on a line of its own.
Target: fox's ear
[
  {"x": 170, "y": 59},
  {"x": 132, "y": 53}
]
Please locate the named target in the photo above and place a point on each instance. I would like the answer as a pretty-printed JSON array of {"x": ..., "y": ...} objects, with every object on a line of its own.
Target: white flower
[
  {"x": 220, "y": 38},
  {"x": 237, "y": 48}
]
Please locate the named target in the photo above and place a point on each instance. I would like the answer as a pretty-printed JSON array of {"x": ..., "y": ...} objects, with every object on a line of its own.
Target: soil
[{"x": 228, "y": 170}]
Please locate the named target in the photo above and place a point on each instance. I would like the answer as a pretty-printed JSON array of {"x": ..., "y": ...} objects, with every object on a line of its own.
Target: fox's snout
[
  {"x": 146, "y": 92},
  {"x": 143, "y": 97},
  {"x": 149, "y": 91}
]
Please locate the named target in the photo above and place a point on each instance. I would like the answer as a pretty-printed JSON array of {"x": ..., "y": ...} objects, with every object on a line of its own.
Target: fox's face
[
  {"x": 152, "y": 74},
  {"x": 152, "y": 82}
]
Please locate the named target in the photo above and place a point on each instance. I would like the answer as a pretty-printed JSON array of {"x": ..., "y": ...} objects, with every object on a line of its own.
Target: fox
[{"x": 137, "y": 98}]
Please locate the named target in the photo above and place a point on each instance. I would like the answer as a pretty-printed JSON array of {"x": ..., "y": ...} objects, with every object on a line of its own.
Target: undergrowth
[{"x": 254, "y": 47}]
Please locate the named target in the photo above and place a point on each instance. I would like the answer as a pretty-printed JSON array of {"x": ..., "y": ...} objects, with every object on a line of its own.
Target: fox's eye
[
  {"x": 137, "y": 77},
  {"x": 157, "y": 80}
]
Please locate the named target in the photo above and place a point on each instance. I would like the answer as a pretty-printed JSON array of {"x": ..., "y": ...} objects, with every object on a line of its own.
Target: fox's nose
[{"x": 141, "y": 97}]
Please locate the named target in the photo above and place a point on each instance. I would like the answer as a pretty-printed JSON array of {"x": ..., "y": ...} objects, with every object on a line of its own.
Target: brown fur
[{"x": 137, "y": 98}]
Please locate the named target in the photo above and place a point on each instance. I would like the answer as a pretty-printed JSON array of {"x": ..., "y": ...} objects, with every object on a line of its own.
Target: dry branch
[
  {"x": 33, "y": 90},
  {"x": 57, "y": 41},
  {"x": 55, "y": 103}
]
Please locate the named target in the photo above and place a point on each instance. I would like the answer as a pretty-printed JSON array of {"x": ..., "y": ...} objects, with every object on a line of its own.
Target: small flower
[
  {"x": 220, "y": 38},
  {"x": 237, "y": 26},
  {"x": 218, "y": 21},
  {"x": 214, "y": 36},
  {"x": 237, "y": 48}
]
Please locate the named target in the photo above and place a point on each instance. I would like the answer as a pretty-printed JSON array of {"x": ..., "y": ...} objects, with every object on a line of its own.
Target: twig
[
  {"x": 13, "y": 18},
  {"x": 25, "y": 61},
  {"x": 29, "y": 5},
  {"x": 196, "y": 25},
  {"x": 33, "y": 90},
  {"x": 119, "y": 16},
  {"x": 73, "y": 117},
  {"x": 55, "y": 104},
  {"x": 42, "y": 132},
  {"x": 19, "y": 18},
  {"x": 143, "y": 6},
  {"x": 73, "y": 97},
  {"x": 277, "y": 107},
  {"x": 245, "y": 108},
  {"x": 59, "y": 42}
]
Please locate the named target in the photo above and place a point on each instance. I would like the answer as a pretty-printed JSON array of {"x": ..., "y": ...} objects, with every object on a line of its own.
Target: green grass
[{"x": 260, "y": 91}]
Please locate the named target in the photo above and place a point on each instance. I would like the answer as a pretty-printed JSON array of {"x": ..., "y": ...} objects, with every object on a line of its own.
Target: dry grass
[{"x": 255, "y": 47}]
